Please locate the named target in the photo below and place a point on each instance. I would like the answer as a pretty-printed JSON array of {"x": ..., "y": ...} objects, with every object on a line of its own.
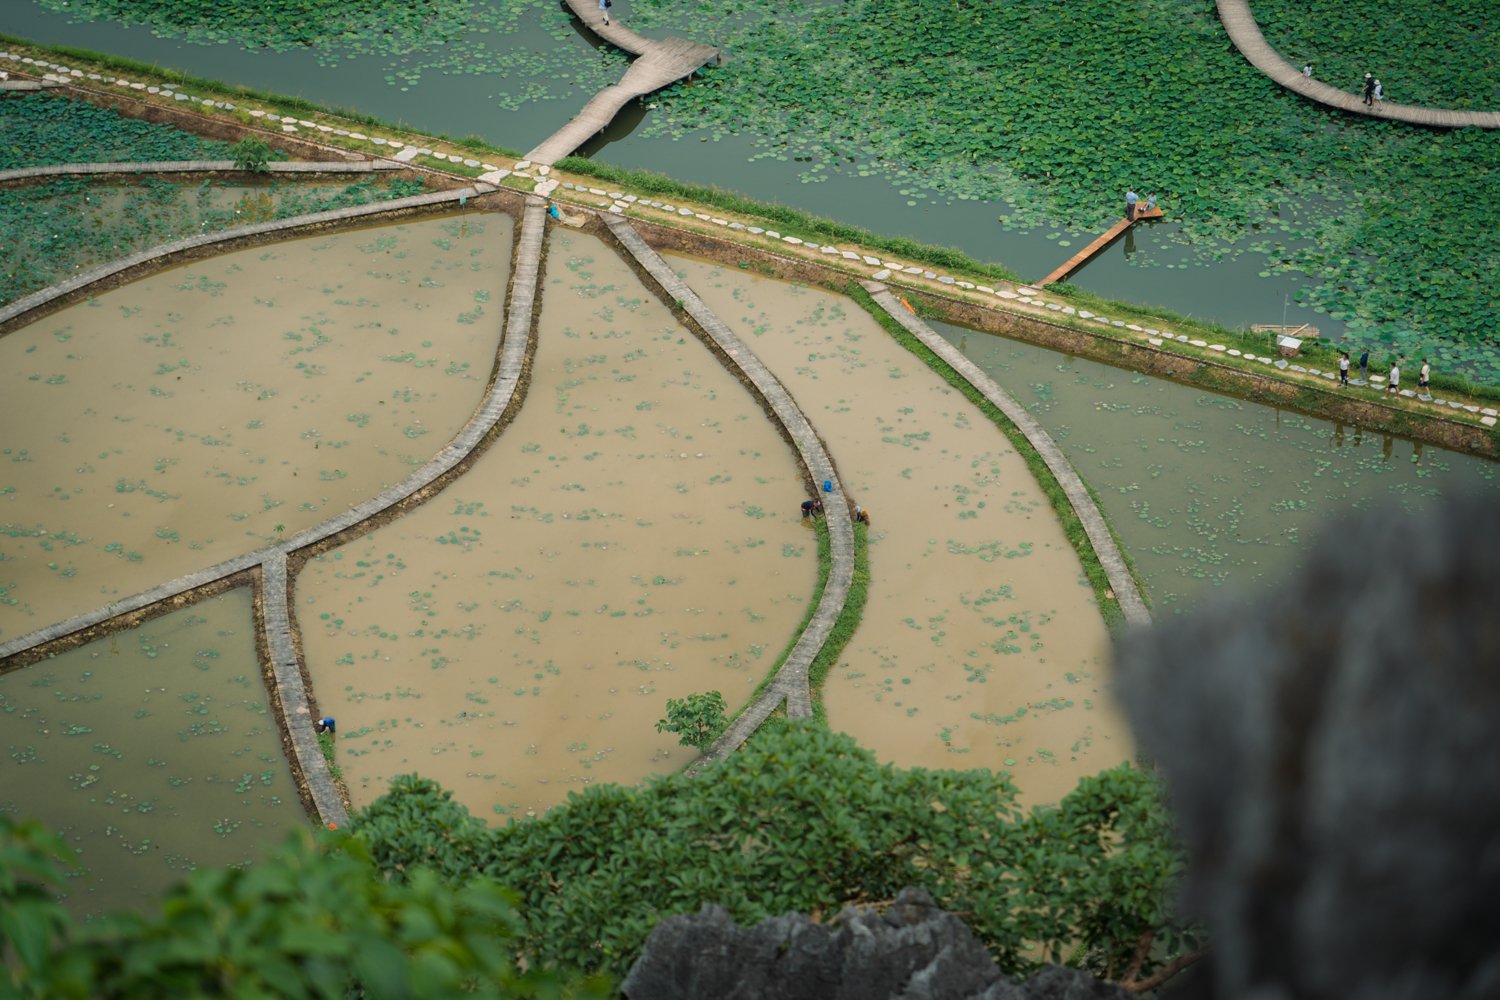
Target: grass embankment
[{"x": 1109, "y": 607}]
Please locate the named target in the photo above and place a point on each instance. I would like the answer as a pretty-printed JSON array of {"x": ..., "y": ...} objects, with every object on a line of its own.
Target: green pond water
[
  {"x": 524, "y": 67},
  {"x": 1210, "y": 493},
  {"x": 152, "y": 751}
]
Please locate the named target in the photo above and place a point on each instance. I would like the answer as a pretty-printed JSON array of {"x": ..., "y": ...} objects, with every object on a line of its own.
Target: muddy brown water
[
  {"x": 632, "y": 536},
  {"x": 206, "y": 410},
  {"x": 981, "y": 644},
  {"x": 151, "y": 752}
]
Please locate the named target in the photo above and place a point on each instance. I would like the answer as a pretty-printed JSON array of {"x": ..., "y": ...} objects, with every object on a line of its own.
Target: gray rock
[
  {"x": 911, "y": 951},
  {"x": 1330, "y": 753}
]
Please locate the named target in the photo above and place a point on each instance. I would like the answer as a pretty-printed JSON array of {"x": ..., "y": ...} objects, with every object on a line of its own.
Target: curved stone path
[
  {"x": 658, "y": 64},
  {"x": 198, "y": 166},
  {"x": 791, "y": 681},
  {"x": 1094, "y": 525},
  {"x": 1247, "y": 37},
  {"x": 276, "y": 618}
]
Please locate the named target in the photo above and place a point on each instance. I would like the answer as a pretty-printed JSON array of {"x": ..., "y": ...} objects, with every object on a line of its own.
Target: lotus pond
[
  {"x": 1008, "y": 129},
  {"x": 631, "y": 537},
  {"x": 213, "y": 407},
  {"x": 1210, "y": 494},
  {"x": 152, "y": 752}
]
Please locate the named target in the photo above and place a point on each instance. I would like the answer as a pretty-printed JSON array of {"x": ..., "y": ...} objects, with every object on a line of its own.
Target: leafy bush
[
  {"x": 803, "y": 819},
  {"x": 698, "y": 719},
  {"x": 251, "y": 153},
  {"x": 315, "y": 919}
]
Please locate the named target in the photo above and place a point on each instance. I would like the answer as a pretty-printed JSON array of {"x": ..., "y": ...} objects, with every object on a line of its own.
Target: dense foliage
[
  {"x": 1055, "y": 109},
  {"x": 697, "y": 719},
  {"x": 72, "y": 223},
  {"x": 805, "y": 820},
  {"x": 1440, "y": 53},
  {"x": 312, "y": 920},
  {"x": 38, "y": 129}
]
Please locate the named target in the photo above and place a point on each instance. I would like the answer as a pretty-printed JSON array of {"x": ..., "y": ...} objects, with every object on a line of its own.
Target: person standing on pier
[
  {"x": 1130, "y": 199},
  {"x": 1307, "y": 71},
  {"x": 604, "y": 9},
  {"x": 1369, "y": 90}
]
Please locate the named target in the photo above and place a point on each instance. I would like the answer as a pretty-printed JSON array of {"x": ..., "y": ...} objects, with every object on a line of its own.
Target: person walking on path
[
  {"x": 604, "y": 9},
  {"x": 1423, "y": 378},
  {"x": 1393, "y": 381},
  {"x": 1379, "y": 92},
  {"x": 1368, "y": 91},
  {"x": 1364, "y": 365},
  {"x": 1344, "y": 369},
  {"x": 1307, "y": 71},
  {"x": 1130, "y": 199}
]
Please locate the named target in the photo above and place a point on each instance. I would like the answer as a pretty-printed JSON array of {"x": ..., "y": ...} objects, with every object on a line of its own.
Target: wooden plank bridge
[
  {"x": 658, "y": 63},
  {"x": 1246, "y": 36},
  {"x": 1076, "y": 261}
]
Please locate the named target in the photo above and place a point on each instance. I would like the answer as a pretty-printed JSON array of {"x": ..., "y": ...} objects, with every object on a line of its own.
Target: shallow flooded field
[
  {"x": 1208, "y": 492},
  {"x": 631, "y": 537},
  {"x": 981, "y": 645},
  {"x": 210, "y": 409},
  {"x": 152, "y": 751}
]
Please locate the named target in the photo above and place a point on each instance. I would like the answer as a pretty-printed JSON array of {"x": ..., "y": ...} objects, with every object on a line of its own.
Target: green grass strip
[
  {"x": 1109, "y": 608},
  {"x": 844, "y": 628},
  {"x": 326, "y": 744}
]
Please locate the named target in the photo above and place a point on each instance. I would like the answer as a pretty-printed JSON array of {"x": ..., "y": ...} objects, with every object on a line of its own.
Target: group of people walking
[
  {"x": 1371, "y": 91},
  {"x": 1392, "y": 378}
]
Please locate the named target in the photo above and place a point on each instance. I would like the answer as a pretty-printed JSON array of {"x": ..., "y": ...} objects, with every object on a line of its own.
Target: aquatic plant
[
  {"x": 43, "y": 128},
  {"x": 804, "y": 819},
  {"x": 251, "y": 153}
]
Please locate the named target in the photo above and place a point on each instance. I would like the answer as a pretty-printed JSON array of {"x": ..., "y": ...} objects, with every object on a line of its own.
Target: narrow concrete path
[
  {"x": 22, "y": 86},
  {"x": 198, "y": 166},
  {"x": 791, "y": 681},
  {"x": 658, "y": 64},
  {"x": 1094, "y": 525},
  {"x": 1247, "y": 37},
  {"x": 276, "y": 619}
]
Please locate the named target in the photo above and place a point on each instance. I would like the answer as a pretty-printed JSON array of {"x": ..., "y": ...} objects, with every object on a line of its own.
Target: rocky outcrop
[
  {"x": 912, "y": 950},
  {"x": 1332, "y": 757}
]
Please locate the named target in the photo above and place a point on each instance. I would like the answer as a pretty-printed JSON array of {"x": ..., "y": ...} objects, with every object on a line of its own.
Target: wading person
[{"x": 812, "y": 508}]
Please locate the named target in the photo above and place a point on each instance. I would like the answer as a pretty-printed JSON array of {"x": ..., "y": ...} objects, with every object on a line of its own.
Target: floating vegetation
[
  {"x": 43, "y": 128},
  {"x": 72, "y": 223}
]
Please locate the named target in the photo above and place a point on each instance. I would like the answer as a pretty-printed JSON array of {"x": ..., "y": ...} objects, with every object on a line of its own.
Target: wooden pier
[
  {"x": 1076, "y": 261},
  {"x": 658, "y": 63}
]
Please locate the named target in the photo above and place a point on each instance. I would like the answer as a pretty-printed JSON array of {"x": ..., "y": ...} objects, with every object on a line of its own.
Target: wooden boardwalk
[
  {"x": 1247, "y": 37},
  {"x": 1076, "y": 261},
  {"x": 658, "y": 63}
]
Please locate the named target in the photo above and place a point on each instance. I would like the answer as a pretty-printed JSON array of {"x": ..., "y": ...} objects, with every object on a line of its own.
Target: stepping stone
[
  {"x": 790, "y": 239},
  {"x": 288, "y": 128},
  {"x": 881, "y": 274},
  {"x": 1085, "y": 314},
  {"x": 945, "y": 280},
  {"x": 1489, "y": 412},
  {"x": 929, "y": 275},
  {"x": 849, "y": 255},
  {"x": 812, "y": 246},
  {"x": 184, "y": 97},
  {"x": 1471, "y": 409},
  {"x": 1117, "y": 322},
  {"x": 664, "y": 206},
  {"x": 471, "y": 163},
  {"x": 986, "y": 289},
  {"x": 1154, "y": 341},
  {"x": 1236, "y": 354},
  {"x": 1407, "y": 393},
  {"x": 1358, "y": 381},
  {"x": 1153, "y": 333},
  {"x": 696, "y": 215},
  {"x": 544, "y": 170},
  {"x": 1182, "y": 339},
  {"x": 617, "y": 195},
  {"x": 407, "y": 154},
  {"x": 526, "y": 165},
  {"x": 773, "y": 234},
  {"x": 598, "y": 191},
  {"x": 894, "y": 266},
  {"x": 629, "y": 199},
  {"x": 1028, "y": 290},
  {"x": 1101, "y": 319},
  {"x": 306, "y": 124},
  {"x": 1200, "y": 343},
  {"x": 1054, "y": 307},
  {"x": 684, "y": 211},
  {"x": 1299, "y": 368},
  {"x": 873, "y": 261},
  {"x": 329, "y": 128},
  {"x": 754, "y": 230},
  {"x": 831, "y": 251},
  {"x": 440, "y": 156},
  {"x": 1216, "y": 347},
  {"x": 1330, "y": 376},
  {"x": 1487, "y": 421},
  {"x": 717, "y": 222},
  {"x": 1281, "y": 363},
  {"x": 1070, "y": 311},
  {"x": 736, "y": 225},
  {"x": 1455, "y": 404},
  {"x": 358, "y": 135},
  {"x": 1132, "y": 327},
  {"x": 488, "y": 166},
  {"x": 1007, "y": 295},
  {"x": 1427, "y": 399}
]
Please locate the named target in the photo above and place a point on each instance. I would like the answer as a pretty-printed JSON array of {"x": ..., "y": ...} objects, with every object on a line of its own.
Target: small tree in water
[{"x": 697, "y": 719}]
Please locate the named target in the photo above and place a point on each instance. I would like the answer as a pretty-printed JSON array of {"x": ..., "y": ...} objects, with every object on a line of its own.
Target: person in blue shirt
[
  {"x": 1130, "y": 199},
  {"x": 325, "y": 725}
]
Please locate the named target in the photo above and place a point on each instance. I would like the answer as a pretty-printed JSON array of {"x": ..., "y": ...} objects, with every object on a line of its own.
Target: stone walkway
[
  {"x": 198, "y": 166},
  {"x": 791, "y": 681},
  {"x": 276, "y": 620},
  {"x": 1094, "y": 525},
  {"x": 1247, "y": 37},
  {"x": 658, "y": 64}
]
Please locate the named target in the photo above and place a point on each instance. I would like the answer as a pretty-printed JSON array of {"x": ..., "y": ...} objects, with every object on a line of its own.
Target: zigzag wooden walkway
[
  {"x": 659, "y": 63},
  {"x": 1247, "y": 37},
  {"x": 1076, "y": 261}
]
